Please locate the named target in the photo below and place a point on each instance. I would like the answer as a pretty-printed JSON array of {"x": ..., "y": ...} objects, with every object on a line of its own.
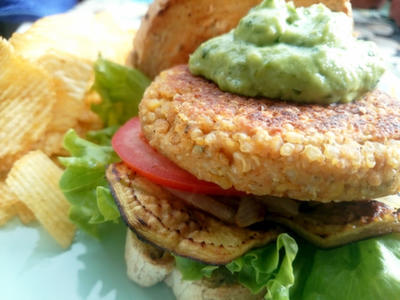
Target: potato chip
[
  {"x": 6, "y": 214},
  {"x": 34, "y": 179},
  {"x": 88, "y": 120},
  {"x": 24, "y": 213},
  {"x": 73, "y": 74},
  {"x": 26, "y": 101},
  {"x": 7, "y": 204},
  {"x": 72, "y": 77},
  {"x": 67, "y": 114},
  {"x": 11, "y": 206},
  {"x": 7, "y": 198},
  {"x": 83, "y": 35},
  {"x": 66, "y": 46}
]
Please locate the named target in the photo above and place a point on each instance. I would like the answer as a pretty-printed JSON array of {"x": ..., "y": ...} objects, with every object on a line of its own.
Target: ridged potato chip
[
  {"x": 6, "y": 214},
  {"x": 26, "y": 101},
  {"x": 73, "y": 74},
  {"x": 24, "y": 213},
  {"x": 10, "y": 206},
  {"x": 73, "y": 77},
  {"x": 7, "y": 198},
  {"x": 66, "y": 46},
  {"x": 7, "y": 204},
  {"x": 85, "y": 36},
  {"x": 34, "y": 179}
]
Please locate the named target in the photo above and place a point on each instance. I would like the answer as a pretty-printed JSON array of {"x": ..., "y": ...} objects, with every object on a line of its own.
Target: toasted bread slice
[
  {"x": 173, "y": 29},
  {"x": 146, "y": 264},
  {"x": 200, "y": 290}
]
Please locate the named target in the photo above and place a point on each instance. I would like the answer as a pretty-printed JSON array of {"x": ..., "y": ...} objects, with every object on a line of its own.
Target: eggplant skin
[
  {"x": 157, "y": 216},
  {"x": 161, "y": 219},
  {"x": 335, "y": 224}
]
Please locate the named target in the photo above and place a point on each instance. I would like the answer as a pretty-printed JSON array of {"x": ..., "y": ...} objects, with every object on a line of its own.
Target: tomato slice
[{"x": 131, "y": 146}]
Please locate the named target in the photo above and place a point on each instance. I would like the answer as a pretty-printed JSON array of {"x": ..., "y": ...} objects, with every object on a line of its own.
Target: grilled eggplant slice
[
  {"x": 333, "y": 224},
  {"x": 169, "y": 223},
  {"x": 158, "y": 216}
]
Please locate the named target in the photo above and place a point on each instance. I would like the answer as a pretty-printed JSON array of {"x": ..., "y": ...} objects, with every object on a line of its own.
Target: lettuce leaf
[
  {"x": 269, "y": 268},
  {"x": 103, "y": 136},
  {"x": 367, "y": 270},
  {"x": 193, "y": 270},
  {"x": 83, "y": 181},
  {"x": 84, "y": 185},
  {"x": 121, "y": 88}
]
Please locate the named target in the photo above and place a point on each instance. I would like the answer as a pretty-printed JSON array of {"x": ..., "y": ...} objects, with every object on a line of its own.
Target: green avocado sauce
[{"x": 277, "y": 51}]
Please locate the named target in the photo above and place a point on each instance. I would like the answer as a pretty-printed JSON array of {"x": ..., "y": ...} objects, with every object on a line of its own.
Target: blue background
[{"x": 17, "y": 11}]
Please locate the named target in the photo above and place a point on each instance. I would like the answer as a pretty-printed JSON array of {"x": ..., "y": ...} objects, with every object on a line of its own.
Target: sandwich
[{"x": 237, "y": 195}]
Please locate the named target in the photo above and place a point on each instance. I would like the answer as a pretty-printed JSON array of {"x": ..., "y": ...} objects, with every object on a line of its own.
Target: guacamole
[{"x": 304, "y": 55}]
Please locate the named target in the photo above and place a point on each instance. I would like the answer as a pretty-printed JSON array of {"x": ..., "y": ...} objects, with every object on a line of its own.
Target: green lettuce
[
  {"x": 267, "y": 268},
  {"x": 367, "y": 270},
  {"x": 193, "y": 270},
  {"x": 121, "y": 89},
  {"x": 84, "y": 185},
  {"x": 83, "y": 181},
  {"x": 103, "y": 136}
]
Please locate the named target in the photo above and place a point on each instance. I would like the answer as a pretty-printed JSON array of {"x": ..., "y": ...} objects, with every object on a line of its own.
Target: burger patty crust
[{"x": 337, "y": 152}]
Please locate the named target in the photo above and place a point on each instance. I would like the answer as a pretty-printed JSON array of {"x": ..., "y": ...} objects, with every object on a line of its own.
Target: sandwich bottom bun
[
  {"x": 199, "y": 290},
  {"x": 148, "y": 265}
]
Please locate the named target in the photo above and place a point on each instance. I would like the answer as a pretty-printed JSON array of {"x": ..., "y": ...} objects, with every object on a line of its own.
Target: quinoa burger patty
[{"x": 337, "y": 152}]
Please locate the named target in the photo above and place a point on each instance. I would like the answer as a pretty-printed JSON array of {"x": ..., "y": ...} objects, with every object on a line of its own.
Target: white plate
[{"x": 34, "y": 267}]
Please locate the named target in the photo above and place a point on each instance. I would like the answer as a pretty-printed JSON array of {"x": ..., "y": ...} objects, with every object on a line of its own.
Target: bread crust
[
  {"x": 146, "y": 264},
  {"x": 172, "y": 29},
  {"x": 198, "y": 290},
  {"x": 337, "y": 152},
  {"x": 147, "y": 270}
]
